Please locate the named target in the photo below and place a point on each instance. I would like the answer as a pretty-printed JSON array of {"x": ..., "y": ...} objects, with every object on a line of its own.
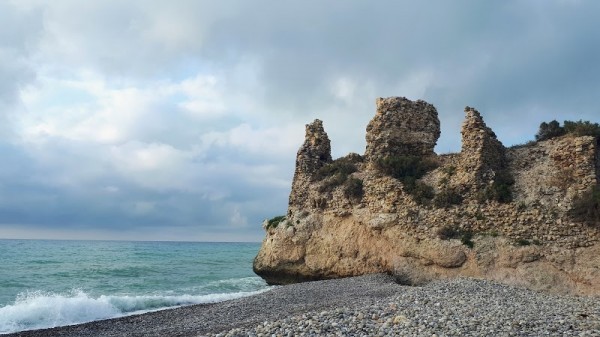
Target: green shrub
[
  {"x": 353, "y": 189},
  {"x": 522, "y": 242},
  {"x": 338, "y": 167},
  {"x": 500, "y": 190},
  {"x": 330, "y": 183},
  {"x": 420, "y": 192},
  {"x": 586, "y": 207},
  {"x": 549, "y": 130},
  {"x": 502, "y": 186},
  {"x": 451, "y": 232},
  {"x": 467, "y": 239},
  {"x": 401, "y": 167},
  {"x": 408, "y": 169},
  {"x": 336, "y": 173},
  {"x": 274, "y": 222},
  {"x": 582, "y": 128},
  {"x": 447, "y": 198}
]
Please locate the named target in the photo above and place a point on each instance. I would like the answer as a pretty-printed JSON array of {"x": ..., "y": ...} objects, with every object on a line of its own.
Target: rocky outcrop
[{"x": 497, "y": 213}]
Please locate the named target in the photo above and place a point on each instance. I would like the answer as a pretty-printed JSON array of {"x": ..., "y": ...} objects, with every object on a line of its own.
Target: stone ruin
[
  {"x": 316, "y": 150},
  {"x": 482, "y": 155},
  {"x": 314, "y": 153},
  {"x": 530, "y": 238},
  {"x": 402, "y": 127}
]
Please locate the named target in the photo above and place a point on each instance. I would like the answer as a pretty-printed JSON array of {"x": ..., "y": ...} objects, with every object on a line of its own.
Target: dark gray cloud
[
  {"x": 501, "y": 57},
  {"x": 183, "y": 119},
  {"x": 36, "y": 195}
]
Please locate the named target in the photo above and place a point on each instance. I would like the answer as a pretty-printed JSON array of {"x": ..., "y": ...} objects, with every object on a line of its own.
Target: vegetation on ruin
[
  {"x": 454, "y": 232},
  {"x": 553, "y": 129},
  {"x": 353, "y": 189},
  {"x": 500, "y": 190},
  {"x": 408, "y": 169},
  {"x": 586, "y": 207}
]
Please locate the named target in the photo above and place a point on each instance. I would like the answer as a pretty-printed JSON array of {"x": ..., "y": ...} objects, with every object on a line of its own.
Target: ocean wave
[{"x": 38, "y": 310}]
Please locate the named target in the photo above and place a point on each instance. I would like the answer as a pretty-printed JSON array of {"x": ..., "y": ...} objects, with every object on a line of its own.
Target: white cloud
[
  {"x": 277, "y": 140},
  {"x": 202, "y": 97}
]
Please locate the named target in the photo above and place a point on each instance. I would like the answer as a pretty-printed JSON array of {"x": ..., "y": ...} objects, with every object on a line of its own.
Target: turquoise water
[{"x": 54, "y": 283}]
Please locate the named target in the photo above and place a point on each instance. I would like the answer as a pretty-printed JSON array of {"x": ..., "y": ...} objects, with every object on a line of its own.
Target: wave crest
[{"x": 38, "y": 310}]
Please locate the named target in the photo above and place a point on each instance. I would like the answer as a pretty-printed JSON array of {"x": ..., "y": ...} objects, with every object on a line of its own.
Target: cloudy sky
[{"x": 180, "y": 120}]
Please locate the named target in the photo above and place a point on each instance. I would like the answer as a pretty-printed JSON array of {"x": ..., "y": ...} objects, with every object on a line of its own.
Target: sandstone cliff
[{"x": 488, "y": 211}]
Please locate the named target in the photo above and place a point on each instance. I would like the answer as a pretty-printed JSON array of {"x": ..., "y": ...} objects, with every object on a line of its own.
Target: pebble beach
[{"x": 371, "y": 305}]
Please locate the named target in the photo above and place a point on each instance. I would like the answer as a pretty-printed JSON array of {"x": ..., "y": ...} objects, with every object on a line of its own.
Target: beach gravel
[{"x": 371, "y": 305}]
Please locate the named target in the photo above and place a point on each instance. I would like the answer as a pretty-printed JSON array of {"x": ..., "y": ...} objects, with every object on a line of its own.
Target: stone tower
[
  {"x": 482, "y": 155},
  {"x": 402, "y": 127},
  {"x": 312, "y": 155}
]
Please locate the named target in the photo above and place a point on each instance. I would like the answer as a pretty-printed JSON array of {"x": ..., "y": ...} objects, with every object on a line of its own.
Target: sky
[{"x": 180, "y": 120}]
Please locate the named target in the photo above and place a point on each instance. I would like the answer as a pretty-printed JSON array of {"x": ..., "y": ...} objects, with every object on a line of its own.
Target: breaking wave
[{"x": 38, "y": 310}]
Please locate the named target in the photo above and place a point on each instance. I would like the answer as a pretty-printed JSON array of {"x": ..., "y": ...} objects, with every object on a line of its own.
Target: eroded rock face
[
  {"x": 402, "y": 127},
  {"x": 530, "y": 240}
]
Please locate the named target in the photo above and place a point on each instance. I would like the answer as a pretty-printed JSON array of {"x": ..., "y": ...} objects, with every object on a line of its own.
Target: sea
[{"x": 47, "y": 283}]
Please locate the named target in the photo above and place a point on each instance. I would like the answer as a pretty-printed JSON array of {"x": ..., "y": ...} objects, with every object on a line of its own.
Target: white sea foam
[
  {"x": 38, "y": 310},
  {"x": 233, "y": 284}
]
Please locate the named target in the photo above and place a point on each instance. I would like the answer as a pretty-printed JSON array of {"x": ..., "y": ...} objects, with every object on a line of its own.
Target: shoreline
[
  {"x": 363, "y": 305},
  {"x": 196, "y": 320}
]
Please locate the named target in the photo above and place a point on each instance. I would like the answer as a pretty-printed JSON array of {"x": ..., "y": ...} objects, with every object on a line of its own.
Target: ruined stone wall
[
  {"x": 482, "y": 155},
  {"x": 547, "y": 176},
  {"x": 552, "y": 172},
  {"x": 598, "y": 160},
  {"x": 402, "y": 127}
]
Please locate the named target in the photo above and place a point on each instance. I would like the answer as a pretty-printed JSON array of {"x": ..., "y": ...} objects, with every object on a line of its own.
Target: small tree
[
  {"x": 549, "y": 130},
  {"x": 578, "y": 128}
]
